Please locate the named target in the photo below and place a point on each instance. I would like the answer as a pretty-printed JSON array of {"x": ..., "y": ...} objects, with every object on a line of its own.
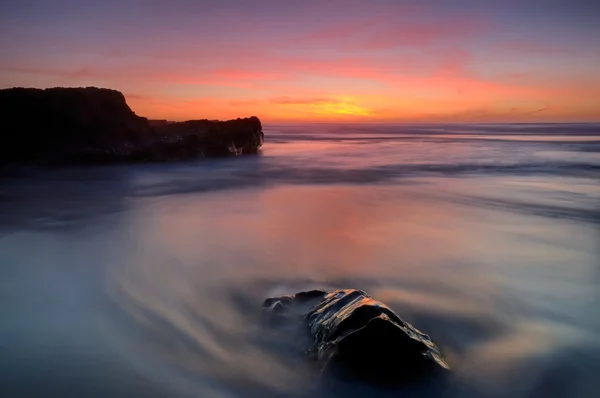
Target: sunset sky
[{"x": 406, "y": 61}]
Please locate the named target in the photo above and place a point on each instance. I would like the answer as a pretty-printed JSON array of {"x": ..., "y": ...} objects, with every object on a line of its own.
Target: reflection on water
[{"x": 147, "y": 280}]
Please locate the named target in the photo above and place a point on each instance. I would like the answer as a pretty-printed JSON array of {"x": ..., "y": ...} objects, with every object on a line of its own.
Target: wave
[
  {"x": 419, "y": 130},
  {"x": 197, "y": 179}
]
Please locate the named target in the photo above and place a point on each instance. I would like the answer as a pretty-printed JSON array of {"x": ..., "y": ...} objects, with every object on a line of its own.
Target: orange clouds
[
  {"x": 302, "y": 101},
  {"x": 332, "y": 106},
  {"x": 379, "y": 62}
]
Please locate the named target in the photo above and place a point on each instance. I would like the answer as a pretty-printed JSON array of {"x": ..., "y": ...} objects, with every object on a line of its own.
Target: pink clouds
[
  {"x": 381, "y": 35},
  {"x": 387, "y": 61},
  {"x": 392, "y": 26},
  {"x": 239, "y": 74}
]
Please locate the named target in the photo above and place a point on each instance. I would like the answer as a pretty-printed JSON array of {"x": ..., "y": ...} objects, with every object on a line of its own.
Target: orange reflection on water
[{"x": 313, "y": 232}]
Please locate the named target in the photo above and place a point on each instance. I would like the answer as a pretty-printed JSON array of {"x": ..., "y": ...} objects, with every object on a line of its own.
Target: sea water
[{"x": 147, "y": 280}]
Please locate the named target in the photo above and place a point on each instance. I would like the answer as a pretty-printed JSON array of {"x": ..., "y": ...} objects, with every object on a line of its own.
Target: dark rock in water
[
  {"x": 215, "y": 138},
  {"x": 353, "y": 335},
  {"x": 60, "y": 125}
]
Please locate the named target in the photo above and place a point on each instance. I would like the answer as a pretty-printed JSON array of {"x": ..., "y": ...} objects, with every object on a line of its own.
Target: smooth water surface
[{"x": 147, "y": 280}]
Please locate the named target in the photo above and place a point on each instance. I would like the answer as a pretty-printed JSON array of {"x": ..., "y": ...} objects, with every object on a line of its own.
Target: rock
[
  {"x": 56, "y": 123},
  {"x": 96, "y": 125},
  {"x": 352, "y": 335},
  {"x": 237, "y": 137}
]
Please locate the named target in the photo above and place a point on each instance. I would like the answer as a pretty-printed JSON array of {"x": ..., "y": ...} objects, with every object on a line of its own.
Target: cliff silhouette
[{"x": 63, "y": 125}]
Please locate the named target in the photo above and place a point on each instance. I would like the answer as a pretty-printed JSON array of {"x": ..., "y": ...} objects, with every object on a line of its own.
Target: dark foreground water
[{"x": 146, "y": 281}]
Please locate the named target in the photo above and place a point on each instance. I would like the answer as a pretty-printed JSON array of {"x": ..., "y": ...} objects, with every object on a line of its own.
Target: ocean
[{"x": 147, "y": 280}]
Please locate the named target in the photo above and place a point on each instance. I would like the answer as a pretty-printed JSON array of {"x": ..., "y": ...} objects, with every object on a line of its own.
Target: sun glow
[{"x": 339, "y": 106}]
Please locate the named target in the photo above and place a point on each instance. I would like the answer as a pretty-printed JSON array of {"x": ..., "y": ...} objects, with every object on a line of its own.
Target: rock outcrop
[
  {"x": 96, "y": 125},
  {"x": 352, "y": 335}
]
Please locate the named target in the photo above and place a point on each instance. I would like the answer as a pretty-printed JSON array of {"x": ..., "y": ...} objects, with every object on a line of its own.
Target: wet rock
[
  {"x": 217, "y": 138},
  {"x": 94, "y": 125},
  {"x": 352, "y": 335}
]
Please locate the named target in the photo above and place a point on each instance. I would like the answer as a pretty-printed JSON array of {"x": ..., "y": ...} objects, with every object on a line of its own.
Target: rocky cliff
[{"x": 96, "y": 125}]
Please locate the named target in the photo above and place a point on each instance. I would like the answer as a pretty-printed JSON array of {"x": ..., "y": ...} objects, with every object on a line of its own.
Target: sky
[{"x": 328, "y": 60}]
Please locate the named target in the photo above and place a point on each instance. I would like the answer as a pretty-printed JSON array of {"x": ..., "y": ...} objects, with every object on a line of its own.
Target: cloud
[
  {"x": 493, "y": 112},
  {"x": 394, "y": 27},
  {"x": 76, "y": 73},
  {"x": 242, "y": 102},
  {"x": 303, "y": 101},
  {"x": 531, "y": 48},
  {"x": 334, "y": 106},
  {"x": 518, "y": 75},
  {"x": 238, "y": 74},
  {"x": 534, "y": 112},
  {"x": 138, "y": 97},
  {"x": 380, "y": 60}
]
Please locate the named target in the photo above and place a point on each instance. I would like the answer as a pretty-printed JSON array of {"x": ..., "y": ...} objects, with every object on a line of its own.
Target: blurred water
[{"x": 147, "y": 280}]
